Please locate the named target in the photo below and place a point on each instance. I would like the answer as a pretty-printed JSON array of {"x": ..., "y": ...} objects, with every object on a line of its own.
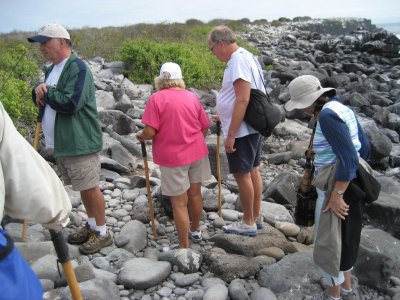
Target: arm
[
  {"x": 147, "y": 133},
  {"x": 74, "y": 89},
  {"x": 43, "y": 198},
  {"x": 337, "y": 134},
  {"x": 242, "y": 92}
]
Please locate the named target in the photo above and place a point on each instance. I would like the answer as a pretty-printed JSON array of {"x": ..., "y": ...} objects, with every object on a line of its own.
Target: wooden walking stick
[
  {"x": 57, "y": 237},
  {"x": 219, "y": 168},
  {"x": 306, "y": 196},
  {"x": 146, "y": 171},
  {"x": 38, "y": 128},
  {"x": 61, "y": 248}
]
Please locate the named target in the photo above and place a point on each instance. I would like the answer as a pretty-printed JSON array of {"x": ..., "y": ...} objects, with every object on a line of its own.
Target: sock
[
  {"x": 334, "y": 298},
  {"x": 345, "y": 292},
  {"x": 92, "y": 223},
  {"x": 102, "y": 229}
]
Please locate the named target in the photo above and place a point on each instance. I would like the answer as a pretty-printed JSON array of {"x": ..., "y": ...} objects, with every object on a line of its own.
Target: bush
[
  {"x": 17, "y": 75},
  {"x": 284, "y": 20},
  {"x": 143, "y": 59},
  {"x": 276, "y": 23},
  {"x": 301, "y": 19}
]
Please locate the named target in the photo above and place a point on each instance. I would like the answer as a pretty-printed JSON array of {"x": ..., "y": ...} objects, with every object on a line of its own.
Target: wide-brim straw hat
[{"x": 304, "y": 91}]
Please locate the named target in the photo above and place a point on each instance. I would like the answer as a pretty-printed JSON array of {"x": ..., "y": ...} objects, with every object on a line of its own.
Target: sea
[{"x": 391, "y": 27}]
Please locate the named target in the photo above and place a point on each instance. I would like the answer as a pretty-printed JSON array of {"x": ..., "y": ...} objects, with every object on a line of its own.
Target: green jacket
[{"x": 77, "y": 128}]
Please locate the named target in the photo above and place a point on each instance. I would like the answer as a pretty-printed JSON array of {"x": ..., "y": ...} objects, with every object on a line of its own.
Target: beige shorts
[
  {"x": 176, "y": 180},
  {"x": 82, "y": 172}
]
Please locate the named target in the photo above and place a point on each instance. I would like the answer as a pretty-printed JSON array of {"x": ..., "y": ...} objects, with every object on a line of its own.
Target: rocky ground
[{"x": 277, "y": 263}]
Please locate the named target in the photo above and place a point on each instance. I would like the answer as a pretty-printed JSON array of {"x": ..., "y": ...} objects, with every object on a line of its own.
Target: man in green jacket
[{"x": 71, "y": 127}]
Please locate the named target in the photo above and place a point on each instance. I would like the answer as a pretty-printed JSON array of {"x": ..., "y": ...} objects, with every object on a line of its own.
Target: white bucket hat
[
  {"x": 304, "y": 91},
  {"x": 50, "y": 31},
  {"x": 173, "y": 70}
]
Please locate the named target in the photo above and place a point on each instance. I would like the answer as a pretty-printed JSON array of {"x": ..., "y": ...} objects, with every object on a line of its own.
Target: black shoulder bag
[{"x": 261, "y": 113}]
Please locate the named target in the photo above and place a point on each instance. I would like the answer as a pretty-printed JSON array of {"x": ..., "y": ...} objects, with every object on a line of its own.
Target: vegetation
[
  {"x": 142, "y": 47},
  {"x": 276, "y": 23},
  {"x": 17, "y": 75},
  {"x": 301, "y": 19}
]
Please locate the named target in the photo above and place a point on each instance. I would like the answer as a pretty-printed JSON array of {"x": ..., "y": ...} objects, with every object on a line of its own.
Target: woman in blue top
[{"x": 339, "y": 139}]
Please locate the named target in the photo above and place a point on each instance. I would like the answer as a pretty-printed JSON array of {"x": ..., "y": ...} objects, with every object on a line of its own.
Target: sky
[{"x": 31, "y": 15}]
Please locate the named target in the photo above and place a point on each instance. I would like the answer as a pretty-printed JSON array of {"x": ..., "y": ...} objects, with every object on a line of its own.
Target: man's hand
[
  {"x": 40, "y": 90},
  {"x": 229, "y": 143}
]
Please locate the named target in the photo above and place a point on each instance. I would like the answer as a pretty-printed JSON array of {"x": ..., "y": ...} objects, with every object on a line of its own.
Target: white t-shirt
[
  {"x": 49, "y": 116},
  {"x": 245, "y": 66}
]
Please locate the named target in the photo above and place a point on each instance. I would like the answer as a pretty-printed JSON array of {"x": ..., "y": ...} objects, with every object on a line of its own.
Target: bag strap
[
  {"x": 309, "y": 153},
  {"x": 259, "y": 72},
  {"x": 305, "y": 183},
  {"x": 262, "y": 78},
  {"x": 7, "y": 248}
]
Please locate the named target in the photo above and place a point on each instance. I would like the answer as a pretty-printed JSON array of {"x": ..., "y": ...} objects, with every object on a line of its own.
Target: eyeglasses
[{"x": 212, "y": 47}]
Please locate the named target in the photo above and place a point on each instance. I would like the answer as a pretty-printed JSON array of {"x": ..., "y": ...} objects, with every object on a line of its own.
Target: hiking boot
[
  {"x": 259, "y": 222},
  {"x": 80, "y": 236},
  {"x": 96, "y": 242},
  {"x": 195, "y": 235},
  {"x": 241, "y": 228}
]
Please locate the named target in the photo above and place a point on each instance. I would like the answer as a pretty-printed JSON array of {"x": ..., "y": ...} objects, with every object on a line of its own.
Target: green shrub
[
  {"x": 143, "y": 59},
  {"x": 333, "y": 22},
  {"x": 276, "y": 23},
  {"x": 301, "y": 19},
  {"x": 17, "y": 75},
  {"x": 283, "y": 20}
]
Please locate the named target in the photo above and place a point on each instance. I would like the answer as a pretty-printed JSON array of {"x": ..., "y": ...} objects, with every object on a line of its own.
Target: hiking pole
[
  {"x": 56, "y": 235},
  {"x": 219, "y": 168},
  {"x": 63, "y": 257},
  {"x": 146, "y": 171},
  {"x": 38, "y": 128}
]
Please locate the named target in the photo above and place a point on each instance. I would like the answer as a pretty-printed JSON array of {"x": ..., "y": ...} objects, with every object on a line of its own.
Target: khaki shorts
[
  {"x": 176, "y": 180},
  {"x": 82, "y": 172}
]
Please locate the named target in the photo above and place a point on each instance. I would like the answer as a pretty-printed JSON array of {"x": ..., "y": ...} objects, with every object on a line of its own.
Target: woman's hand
[
  {"x": 139, "y": 136},
  {"x": 147, "y": 133},
  {"x": 337, "y": 205}
]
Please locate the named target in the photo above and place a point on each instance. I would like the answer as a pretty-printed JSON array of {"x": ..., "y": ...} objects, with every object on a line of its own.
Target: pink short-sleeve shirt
[{"x": 178, "y": 117}]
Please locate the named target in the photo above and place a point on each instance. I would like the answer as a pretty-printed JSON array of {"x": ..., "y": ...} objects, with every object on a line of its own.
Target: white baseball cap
[
  {"x": 304, "y": 91},
  {"x": 171, "y": 70},
  {"x": 50, "y": 31}
]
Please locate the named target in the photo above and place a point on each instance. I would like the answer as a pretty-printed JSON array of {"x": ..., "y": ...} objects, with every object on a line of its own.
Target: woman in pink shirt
[{"x": 177, "y": 123}]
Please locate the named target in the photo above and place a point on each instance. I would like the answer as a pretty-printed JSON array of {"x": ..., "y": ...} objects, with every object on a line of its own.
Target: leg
[
  {"x": 195, "y": 205},
  {"x": 246, "y": 193},
  {"x": 94, "y": 203},
  {"x": 181, "y": 218},
  {"x": 347, "y": 281},
  {"x": 333, "y": 291},
  {"x": 257, "y": 187}
]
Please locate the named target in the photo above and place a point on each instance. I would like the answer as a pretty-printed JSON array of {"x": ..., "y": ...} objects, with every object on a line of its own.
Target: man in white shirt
[{"x": 242, "y": 142}]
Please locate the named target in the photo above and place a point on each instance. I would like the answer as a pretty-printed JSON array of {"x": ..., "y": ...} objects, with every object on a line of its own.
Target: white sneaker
[
  {"x": 241, "y": 228},
  {"x": 195, "y": 235},
  {"x": 259, "y": 222}
]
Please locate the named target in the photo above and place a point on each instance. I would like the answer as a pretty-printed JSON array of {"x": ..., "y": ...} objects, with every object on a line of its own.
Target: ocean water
[{"x": 391, "y": 27}]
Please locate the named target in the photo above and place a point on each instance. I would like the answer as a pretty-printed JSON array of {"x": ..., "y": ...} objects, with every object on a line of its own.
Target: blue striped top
[{"x": 339, "y": 136}]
